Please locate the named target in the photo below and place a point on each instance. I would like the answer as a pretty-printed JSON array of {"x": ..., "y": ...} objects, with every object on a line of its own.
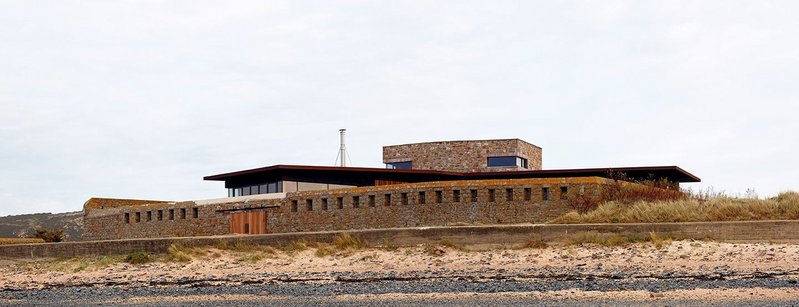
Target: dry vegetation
[
  {"x": 785, "y": 206},
  {"x": 20, "y": 240}
]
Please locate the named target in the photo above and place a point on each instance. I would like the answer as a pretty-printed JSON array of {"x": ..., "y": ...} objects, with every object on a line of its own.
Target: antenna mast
[{"x": 343, "y": 151}]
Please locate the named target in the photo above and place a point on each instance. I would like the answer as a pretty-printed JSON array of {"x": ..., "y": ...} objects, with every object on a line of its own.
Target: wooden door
[{"x": 248, "y": 222}]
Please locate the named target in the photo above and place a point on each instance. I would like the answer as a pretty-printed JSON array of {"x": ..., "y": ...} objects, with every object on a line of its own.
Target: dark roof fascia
[
  {"x": 226, "y": 176},
  {"x": 684, "y": 175},
  {"x": 681, "y": 175}
]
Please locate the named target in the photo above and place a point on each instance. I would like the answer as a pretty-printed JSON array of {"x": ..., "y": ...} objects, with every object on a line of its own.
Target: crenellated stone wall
[{"x": 506, "y": 201}]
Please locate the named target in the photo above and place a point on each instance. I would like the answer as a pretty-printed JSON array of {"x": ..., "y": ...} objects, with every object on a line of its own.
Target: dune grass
[
  {"x": 20, "y": 240},
  {"x": 784, "y": 206}
]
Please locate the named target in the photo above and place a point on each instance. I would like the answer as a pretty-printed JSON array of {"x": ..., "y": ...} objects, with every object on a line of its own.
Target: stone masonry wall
[
  {"x": 463, "y": 156},
  {"x": 386, "y": 206}
]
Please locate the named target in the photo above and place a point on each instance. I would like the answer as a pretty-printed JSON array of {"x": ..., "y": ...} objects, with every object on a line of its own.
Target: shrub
[
  {"x": 138, "y": 258},
  {"x": 55, "y": 235}
]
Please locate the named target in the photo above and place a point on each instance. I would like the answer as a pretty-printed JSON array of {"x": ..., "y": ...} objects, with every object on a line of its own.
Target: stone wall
[
  {"x": 388, "y": 206},
  {"x": 738, "y": 231},
  {"x": 105, "y": 203},
  {"x": 463, "y": 156}
]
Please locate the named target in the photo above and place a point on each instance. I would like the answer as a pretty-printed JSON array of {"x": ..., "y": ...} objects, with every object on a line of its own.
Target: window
[
  {"x": 230, "y": 193},
  {"x": 160, "y": 215},
  {"x": 508, "y": 194},
  {"x": 371, "y": 200},
  {"x": 149, "y": 216},
  {"x": 456, "y": 196},
  {"x": 127, "y": 218},
  {"x": 564, "y": 192},
  {"x": 404, "y": 198},
  {"x": 340, "y": 202},
  {"x": 399, "y": 165},
  {"x": 528, "y": 194},
  {"x": 491, "y": 195},
  {"x": 195, "y": 212},
  {"x": 309, "y": 204},
  {"x": 439, "y": 197},
  {"x": 507, "y": 161},
  {"x": 254, "y": 190},
  {"x": 545, "y": 193},
  {"x": 245, "y": 191},
  {"x": 387, "y": 200},
  {"x": 264, "y": 188},
  {"x": 356, "y": 201},
  {"x": 138, "y": 217},
  {"x": 293, "y": 206},
  {"x": 324, "y": 204},
  {"x": 474, "y": 195},
  {"x": 421, "y": 197},
  {"x": 182, "y": 213}
]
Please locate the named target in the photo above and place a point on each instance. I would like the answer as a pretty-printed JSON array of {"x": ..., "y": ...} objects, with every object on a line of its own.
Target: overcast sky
[{"x": 141, "y": 99}]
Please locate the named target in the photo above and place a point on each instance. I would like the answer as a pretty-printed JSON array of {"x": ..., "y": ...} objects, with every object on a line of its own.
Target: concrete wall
[
  {"x": 403, "y": 209},
  {"x": 739, "y": 231},
  {"x": 463, "y": 156}
]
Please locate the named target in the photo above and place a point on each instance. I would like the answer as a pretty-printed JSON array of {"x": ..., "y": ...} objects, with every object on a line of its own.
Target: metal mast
[{"x": 343, "y": 151}]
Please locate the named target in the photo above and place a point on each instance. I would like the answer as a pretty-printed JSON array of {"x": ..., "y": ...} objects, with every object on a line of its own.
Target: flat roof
[{"x": 673, "y": 173}]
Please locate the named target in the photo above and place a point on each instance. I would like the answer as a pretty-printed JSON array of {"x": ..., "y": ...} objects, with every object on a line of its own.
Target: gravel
[{"x": 314, "y": 293}]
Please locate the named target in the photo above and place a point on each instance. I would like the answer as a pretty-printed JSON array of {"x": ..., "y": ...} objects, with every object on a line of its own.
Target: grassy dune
[{"x": 784, "y": 206}]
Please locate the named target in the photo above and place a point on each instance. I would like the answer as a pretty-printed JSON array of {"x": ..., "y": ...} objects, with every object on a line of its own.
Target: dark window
[
  {"x": 254, "y": 190},
  {"x": 507, "y": 161},
  {"x": 195, "y": 212},
  {"x": 149, "y": 216},
  {"x": 294, "y": 206},
  {"x": 404, "y": 198},
  {"x": 356, "y": 201},
  {"x": 545, "y": 193},
  {"x": 340, "y": 202},
  {"x": 182, "y": 213},
  {"x": 387, "y": 200},
  {"x": 324, "y": 203},
  {"x": 371, "y": 200},
  {"x": 272, "y": 187},
  {"x": 528, "y": 194},
  {"x": 171, "y": 214},
  {"x": 474, "y": 195},
  {"x": 160, "y": 215},
  {"x": 508, "y": 194},
  {"x": 138, "y": 217},
  {"x": 245, "y": 191},
  {"x": 399, "y": 165},
  {"x": 246, "y": 228},
  {"x": 564, "y": 192},
  {"x": 439, "y": 197},
  {"x": 491, "y": 195},
  {"x": 264, "y": 188},
  {"x": 456, "y": 196},
  {"x": 421, "y": 197},
  {"x": 127, "y": 218},
  {"x": 309, "y": 204}
]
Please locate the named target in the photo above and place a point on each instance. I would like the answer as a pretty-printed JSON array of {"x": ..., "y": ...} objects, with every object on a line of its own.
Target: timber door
[{"x": 248, "y": 222}]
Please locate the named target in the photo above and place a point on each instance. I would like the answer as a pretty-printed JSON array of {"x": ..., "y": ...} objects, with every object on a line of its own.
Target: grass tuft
[
  {"x": 177, "y": 253},
  {"x": 535, "y": 242},
  {"x": 138, "y": 258}
]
